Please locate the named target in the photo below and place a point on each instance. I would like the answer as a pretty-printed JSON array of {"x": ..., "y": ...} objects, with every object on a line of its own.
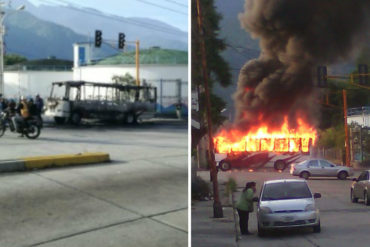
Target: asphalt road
[
  {"x": 140, "y": 199},
  {"x": 342, "y": 223}
]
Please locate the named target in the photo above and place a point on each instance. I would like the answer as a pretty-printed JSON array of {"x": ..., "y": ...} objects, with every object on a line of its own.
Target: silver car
[
  {"x": 320, "y": 168},
  {"x": 286, "y": 204},
  {"x": 360, "y": 188}
]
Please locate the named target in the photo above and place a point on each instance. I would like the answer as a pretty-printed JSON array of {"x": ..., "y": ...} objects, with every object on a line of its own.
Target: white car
[
  {"x": 320, "y": 168},
  {"x": 360, "y": 188},
  {"x": 287, "y": 203}
]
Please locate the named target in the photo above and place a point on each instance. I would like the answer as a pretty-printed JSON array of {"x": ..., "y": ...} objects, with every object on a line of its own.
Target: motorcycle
[{"x": 31, "y": 128}]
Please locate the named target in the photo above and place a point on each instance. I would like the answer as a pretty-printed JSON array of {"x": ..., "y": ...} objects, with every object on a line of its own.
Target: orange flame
[{"x": 262, "y": 139}]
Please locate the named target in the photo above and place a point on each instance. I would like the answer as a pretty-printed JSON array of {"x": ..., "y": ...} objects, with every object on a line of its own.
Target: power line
[
  {"x": 174, "y": 2},
  {"x": 116, "y": 18},
  {"x": 162, "y": 7}
]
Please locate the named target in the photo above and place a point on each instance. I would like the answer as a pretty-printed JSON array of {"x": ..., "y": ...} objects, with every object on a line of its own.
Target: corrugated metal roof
[{"x": 148, "y": 56}]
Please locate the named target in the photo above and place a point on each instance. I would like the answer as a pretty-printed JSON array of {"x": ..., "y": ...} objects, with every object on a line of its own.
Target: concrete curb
[{"x": 39, "y": 162}]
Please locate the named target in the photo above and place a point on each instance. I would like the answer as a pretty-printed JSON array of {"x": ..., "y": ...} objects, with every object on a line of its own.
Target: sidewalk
[{"x": 207, "y": 231}]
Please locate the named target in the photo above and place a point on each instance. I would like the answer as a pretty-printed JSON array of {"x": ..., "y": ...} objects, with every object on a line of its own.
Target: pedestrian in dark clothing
[
  {"x": 32, "y": 109},
  {"x": 39, "y": 106},
  {"x": 245, "y": 206},
  {"x": 12, "y": 107},
  {"x": 3, "y": 103}
]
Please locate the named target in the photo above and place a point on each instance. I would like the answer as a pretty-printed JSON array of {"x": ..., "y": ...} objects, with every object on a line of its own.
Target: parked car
[
  {"x": 287, "y": 203},
  {"x": 320, "y": 168},
  {"x": 360, "y": 188}
]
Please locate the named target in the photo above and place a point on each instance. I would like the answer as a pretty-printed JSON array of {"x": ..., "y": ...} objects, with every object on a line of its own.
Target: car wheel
[
  {"x": 304, "y": 175},
  {"x": 261, "y": 232},
  {"x": 279, "y": 165},
  {"x": 317, "y": 228},
  {"x": 342, "y": 175},
  {"x": 225, "y": 166},
  {"x": 366, "y": 199},
  {"x": 353, "y": 198}
]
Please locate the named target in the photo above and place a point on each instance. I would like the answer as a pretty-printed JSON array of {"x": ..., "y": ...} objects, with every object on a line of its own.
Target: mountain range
[{"x": 50, "y": 30}]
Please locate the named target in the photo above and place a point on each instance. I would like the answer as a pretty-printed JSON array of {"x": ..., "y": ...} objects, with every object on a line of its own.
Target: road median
[{"x": 40, "y": 162}]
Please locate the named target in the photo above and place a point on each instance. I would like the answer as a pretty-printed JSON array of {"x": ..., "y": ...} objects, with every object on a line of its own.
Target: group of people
[{"x": 25, "y": 109}]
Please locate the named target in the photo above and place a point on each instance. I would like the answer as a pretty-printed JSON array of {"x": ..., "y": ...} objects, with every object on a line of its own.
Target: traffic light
[
  {"x": 121, "y": 40},
  {"x": 363, "y": 78},
  {"x": 322, "y": 76},
  {"x": 98, "y": 38}
]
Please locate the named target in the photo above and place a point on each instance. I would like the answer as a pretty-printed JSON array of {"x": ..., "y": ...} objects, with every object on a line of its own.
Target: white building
[
  {"x": 360, "y": 116},
  {"x": 32, "y": 82}
]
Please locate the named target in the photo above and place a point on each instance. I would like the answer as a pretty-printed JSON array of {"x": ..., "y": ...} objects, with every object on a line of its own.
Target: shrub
[{"x": 199, "y": 189}]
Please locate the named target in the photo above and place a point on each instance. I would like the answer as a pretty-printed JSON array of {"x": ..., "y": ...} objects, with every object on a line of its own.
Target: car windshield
[{"x": 285, "y": 191}]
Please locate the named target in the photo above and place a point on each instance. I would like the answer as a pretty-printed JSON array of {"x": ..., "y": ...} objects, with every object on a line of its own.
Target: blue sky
[{"x": 137, "y": 8}]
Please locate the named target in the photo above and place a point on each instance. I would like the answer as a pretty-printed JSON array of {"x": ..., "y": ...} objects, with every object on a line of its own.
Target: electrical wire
[
  {"x": 177, "y": 3},
  {"x": 162, "y": 7}
]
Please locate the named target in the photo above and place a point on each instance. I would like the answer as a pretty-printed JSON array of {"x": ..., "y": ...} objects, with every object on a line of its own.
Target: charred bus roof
[{"x": 98, "y": 84}]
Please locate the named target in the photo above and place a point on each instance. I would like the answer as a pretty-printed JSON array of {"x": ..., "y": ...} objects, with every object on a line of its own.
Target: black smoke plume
[{"x": 295, "y": 36}]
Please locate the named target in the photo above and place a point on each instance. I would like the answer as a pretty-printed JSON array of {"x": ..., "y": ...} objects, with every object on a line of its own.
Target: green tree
[
  {"x": 11, "y": 59},
  {"x": 218, "y": 68},
  {"x": 126, "y": 80}
]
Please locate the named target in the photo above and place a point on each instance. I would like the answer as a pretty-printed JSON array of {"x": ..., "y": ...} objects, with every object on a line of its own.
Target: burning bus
[{"x": 260, "y": 145}]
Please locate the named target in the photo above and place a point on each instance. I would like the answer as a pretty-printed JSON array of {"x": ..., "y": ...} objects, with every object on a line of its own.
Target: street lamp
[{"x": 2, "y": 33}]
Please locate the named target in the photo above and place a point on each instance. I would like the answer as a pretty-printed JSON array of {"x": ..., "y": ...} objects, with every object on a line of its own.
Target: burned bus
[{"x": 74, "y": 100}]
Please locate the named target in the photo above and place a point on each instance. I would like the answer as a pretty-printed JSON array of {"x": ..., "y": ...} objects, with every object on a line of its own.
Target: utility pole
[
  {"x": 217, "y": 207},
  {"x": 137, "y": 59},
  {"x": 2, "y": 33},
  {"x": 346, "y": 127}
]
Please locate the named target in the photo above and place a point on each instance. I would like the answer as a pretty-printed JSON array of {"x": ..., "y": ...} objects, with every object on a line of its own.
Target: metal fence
[{"x": 172, "y": 96}]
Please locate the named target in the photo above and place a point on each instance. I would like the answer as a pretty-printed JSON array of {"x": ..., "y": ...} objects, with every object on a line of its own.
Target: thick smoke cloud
[{"x": 295, "y": 36}]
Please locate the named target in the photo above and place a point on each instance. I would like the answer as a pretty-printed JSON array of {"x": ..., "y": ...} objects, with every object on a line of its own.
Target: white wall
[
  {"x": 30, "y": 83},
  {"x": 104, "y": 73},
  {"x": 363, "y": 120}
]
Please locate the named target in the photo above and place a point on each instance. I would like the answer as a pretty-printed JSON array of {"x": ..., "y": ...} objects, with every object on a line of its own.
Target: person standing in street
[
  {"x": 245, "y": 206},
  {"x": 39, "y": 102}
]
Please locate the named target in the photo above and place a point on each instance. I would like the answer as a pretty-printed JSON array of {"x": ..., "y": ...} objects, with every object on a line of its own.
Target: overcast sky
[{"x": 167, "y": 12}]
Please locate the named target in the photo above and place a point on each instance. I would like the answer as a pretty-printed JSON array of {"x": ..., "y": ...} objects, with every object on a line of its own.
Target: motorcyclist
[
  {"x": 10, "y": 110},
  {"x": 22, "y": 114}
]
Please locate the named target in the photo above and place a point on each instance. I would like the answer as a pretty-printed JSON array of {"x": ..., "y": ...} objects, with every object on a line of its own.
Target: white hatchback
[{"x": 287, "y": 203}]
